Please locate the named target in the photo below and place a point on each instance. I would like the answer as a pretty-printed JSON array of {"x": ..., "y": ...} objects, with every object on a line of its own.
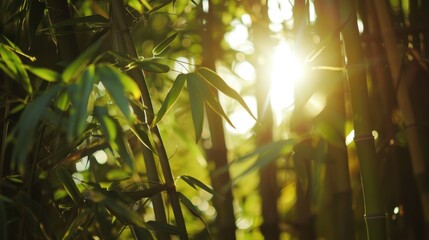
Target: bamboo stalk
[
  {"x": 118, "y": 15},
  {"x": 375, "y": 215},
  {"x": 217, "y": 153},
  {"x": 402, "y": 82},
  {"x": 337, "y": 169}
]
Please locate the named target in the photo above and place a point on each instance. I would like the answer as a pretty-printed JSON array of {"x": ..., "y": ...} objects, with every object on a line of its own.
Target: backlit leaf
[
  {"x": 16, "y": 67},
  {"x": 112, "y": 130},
  {"x": 212, "y": 99},
  {"x": 81, "y": 62},
  {"x": 197, "y": 104},
  {"x": 158, "y": 49},
  {"x": 79, "y": 221},
  {"x": 171, "y": 98},
  {"x": 189, "y": 205},
  {"x": 44, "y": 73},
  {"x": 117, "y": 207},
  {"x": 118, "y": 85},
  {"x": 193, "y": 182},
  {"x": 69, "y": 184},
  {"x": 217, "y": 82},
  {"x": 152, "y": 66}
]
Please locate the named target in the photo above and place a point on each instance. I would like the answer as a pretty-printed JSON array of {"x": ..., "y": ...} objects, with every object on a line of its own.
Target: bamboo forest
[{"x": 214, "y": 119}]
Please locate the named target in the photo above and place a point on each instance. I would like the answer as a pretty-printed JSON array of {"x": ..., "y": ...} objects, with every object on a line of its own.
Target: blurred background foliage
[{"x": 79, "y": 136}]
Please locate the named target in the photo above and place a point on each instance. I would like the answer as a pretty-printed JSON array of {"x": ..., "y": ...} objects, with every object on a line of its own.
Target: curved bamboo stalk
[
  {"x": 375, "y": 215},
  {"x": 118, "y": 15}
]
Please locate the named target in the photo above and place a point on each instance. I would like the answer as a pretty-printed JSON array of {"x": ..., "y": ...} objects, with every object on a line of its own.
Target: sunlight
[
  {"x": 241, "y": 119},
  {"x": 286, "y": 70}
]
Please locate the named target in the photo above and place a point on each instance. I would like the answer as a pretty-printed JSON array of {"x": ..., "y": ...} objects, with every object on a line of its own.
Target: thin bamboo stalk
[
  {"x": 118, "y": 15},
  {"x": 375, "y": 215},
  {"x": 216, "y": 152}
]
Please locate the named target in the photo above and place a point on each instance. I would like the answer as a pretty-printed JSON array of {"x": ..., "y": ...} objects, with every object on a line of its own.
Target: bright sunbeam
[{"x": 286, "y": 70}]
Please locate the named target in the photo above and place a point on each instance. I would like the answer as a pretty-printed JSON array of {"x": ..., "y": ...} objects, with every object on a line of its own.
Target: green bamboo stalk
[
  {"x": 217, "y": 153},
  {"x": 375, "y": 215},
  {"x": 337, "y": 169},
  {"x": 117, "y": 9}
]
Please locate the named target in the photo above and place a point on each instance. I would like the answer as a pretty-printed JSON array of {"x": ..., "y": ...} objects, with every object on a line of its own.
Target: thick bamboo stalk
[
  {"x": 118, "y": 15},
  {"x": 375, "y": 215},
  {"x": 216, "y": 152},
  {"x": 268, "y": 186},
  {"x": 337, "y": 168}
]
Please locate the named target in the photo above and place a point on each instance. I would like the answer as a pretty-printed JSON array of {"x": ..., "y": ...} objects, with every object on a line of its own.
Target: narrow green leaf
[
  {"x": 143, "y": 137},
  {"x": 164, "y": 44},
  {"x": 23, "y": 133},
  {"x": 171, "y": 98},
  {"x": 117, "y": 207},
  {"x": 217, "y": 82},
  {"x": 193, "y": 182},
  {"x": 44, "y": 73},
  {"x": 78, "y": 222},
  {"x": 152, "y": 66},
  {"x": 145, "y": 193},
  {"x": 197, "y": 104},
  {"x": 212, "y": 99},
  {"x": 163, "y": 227},
  {"x": 189, "y": 205},
  {"x": 82, "y": 20},
  {"x": 161, "y": 4},
  {"x": 14, "y": 63},
  {"x": 79, "y": 93},
  {"x": 81, "y": 62},
  {"x": 69, "y": 184},
  {"x": 266, "y": 154},
  {"x": 112, "y": 130},
  {"x": 3, "y": 221},
  {"x": 118, "y": 85}
]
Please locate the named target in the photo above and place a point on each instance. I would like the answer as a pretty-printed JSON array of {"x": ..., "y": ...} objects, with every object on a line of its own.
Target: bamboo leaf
[
  {"x": 152, "y": 66},
  {"x": 143, "y": 137},
  {"x": 118, "y": 84},
  {"x": 216, "y": 81},
  {"x": 265, "y": 155},
  {"x": 80, "y": 220},
  {"x": 193, "y": 182},
  {"x": 79, "y": 95},
  {"x": 80, "y": 63},
  {"x": 158, "y": 49},
  {"x": 117, "y": 207},
  {"x": 23, "y": 133},
  {"x": 82, "y": 20},
  {"x": 145, "y": 193},
  {"x": 69, "y": 184},
  {"x": 189, "y": 205},
  {"x": 112, "y": 130},
  {"x": 197, "y": 104},
  {"x": 212, "y": 99},
  {"x": 16, "y": 67},
  {"x": 171, "y": 98},
  {"x": 163, "y": 227},
  {"x": 44, "y": 73}
]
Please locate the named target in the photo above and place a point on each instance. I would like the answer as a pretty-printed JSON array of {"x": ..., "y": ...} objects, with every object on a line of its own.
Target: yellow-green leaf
[
  {"x": 197, "y": 104},
  {"x": 171, "y": 98},
  {"x": 164, "y": 44}
]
